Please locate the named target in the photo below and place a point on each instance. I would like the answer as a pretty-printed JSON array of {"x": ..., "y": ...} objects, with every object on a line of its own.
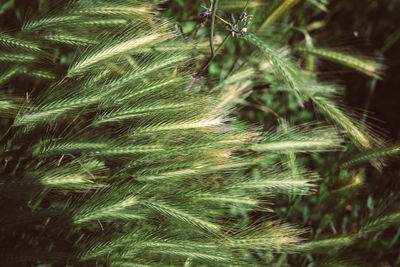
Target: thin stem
[
  {"x": 214, "y": 10},
  {"x": 196, "y": 31},
  {"x": 214, "y": 55},
  {"x": 224, "y": 21}
]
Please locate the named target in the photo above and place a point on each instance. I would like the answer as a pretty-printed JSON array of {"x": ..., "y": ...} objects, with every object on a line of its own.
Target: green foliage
[{"x": 116, "y": 151}]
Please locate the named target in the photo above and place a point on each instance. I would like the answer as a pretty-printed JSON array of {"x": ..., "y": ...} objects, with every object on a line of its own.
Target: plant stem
[
  {"x": 196, "y": 31},
  {"x": 214, "y": 55},
  {"x": 224, "y": 21},
  {"x": 214, "y": 10}
]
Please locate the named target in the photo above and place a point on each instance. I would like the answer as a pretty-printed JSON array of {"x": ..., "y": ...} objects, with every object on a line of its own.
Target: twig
[
  {"x": 196, "y": 31},
  {"x": 224, "y": 21}
]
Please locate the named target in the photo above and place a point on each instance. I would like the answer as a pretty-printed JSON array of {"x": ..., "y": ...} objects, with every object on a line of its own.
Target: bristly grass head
[
  {"x": 360, "y": 136},
  {"x": 12, "y": 42},
  {"x": 364, "y": 65},
  {"x": 312, "y": 139},
  {"x": 132, "y": 40}
]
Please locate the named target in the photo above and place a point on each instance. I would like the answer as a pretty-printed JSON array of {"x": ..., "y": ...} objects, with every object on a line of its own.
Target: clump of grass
[{"x": 143, "y": 164}]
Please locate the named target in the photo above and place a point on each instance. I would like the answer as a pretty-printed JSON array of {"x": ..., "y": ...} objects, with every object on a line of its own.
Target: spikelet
[
  {"x": 264, "y": 237},
  {"x": 13, "y": 42},
  {"x": 40, "y": 74},
  {"x": 52, "y": 111},
  {"x": 126, "y": 114},
  {"x": 227, "y": 199},
  {"x": 114, "y": 10},
  {"x": 99, "y": 149},
  {"x": 299, "y": 183},
  {"x": 382, "y": 222},
  {"x": 86, "y": 214},
  {"x": 4, "y": 77},
  {"x": 293, "y": 140},
  {"x": 371, "y": 155},
  {"x": 197, "y": 170},
  {"x": 334, "y": 113},
  {"x": 284, "y": 68},
  {"x": 69, "y": 181},
  {"x": 101, "y": 22},
  {"x": 193, "y": 124},
  {"x": 16, "y": 58},
  {"x": 71, "y": 40},
  {"x": 364, "y": 65},
  {"x": 122, "y": 46},
  {"x": 183, "y": 216},
  {"x": 50, "y": 22}
]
